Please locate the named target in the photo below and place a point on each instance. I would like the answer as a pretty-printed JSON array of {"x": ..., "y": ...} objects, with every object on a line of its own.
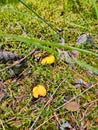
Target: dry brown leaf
[
  {"x": 6, "y": 56},
  {"x": 72, "y": 106}
]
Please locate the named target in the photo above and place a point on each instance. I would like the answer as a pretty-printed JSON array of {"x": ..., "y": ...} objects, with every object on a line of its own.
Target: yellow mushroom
[
  {"x": 35, "y": 92},
  {"x": 48, "y": 60},
  {"x": 39, "y": 90}
]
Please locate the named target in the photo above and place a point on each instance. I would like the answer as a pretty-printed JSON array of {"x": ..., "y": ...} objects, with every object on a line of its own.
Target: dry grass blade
[
  {"x": 92, "y": 102},
  {"x": 3, "y": 128}
]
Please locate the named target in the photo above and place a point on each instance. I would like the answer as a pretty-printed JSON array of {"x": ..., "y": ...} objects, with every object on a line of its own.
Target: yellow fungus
[
  {"x": 48, "y": 60},
  {"x": 39, "y": 90}
]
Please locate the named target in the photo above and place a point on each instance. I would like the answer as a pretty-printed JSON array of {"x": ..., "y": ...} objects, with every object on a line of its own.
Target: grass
[
  {"x": 20, "y": 110},
  {"x": 95, "y": 7}
]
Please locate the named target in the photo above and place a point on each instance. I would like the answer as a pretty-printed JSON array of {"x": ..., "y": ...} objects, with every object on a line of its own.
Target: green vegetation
[{"x": 42, "y": 24}]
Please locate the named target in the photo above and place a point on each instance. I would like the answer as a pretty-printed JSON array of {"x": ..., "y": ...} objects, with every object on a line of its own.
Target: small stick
[
  {"x": 57, "y": 119},
  {"x": 94, "y": 101},
  {"x": 2, "y": 124}
]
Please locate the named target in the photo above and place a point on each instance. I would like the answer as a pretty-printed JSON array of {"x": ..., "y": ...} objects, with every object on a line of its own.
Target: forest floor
[{"x": 71, "y": 99}]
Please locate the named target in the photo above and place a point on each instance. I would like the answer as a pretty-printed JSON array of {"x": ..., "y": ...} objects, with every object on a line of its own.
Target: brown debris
[
  {"x": 6, "y": 56},
  {"x": 3, "y": 91}
]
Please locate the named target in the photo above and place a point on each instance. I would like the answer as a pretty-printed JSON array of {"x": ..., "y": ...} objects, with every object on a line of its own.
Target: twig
[
  {"x": 96, "y": 100},
  {"x": 31, "y": 128},
  {"x": 2, "y": 124},
  {"x": 19, "y": 61},
  {"x": 57, "y": 119},
  {"x": 76, "y": 96}
]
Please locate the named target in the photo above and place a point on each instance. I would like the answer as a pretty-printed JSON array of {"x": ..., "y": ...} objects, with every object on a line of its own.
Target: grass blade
[
  {"x": 95, "y": 7},
  {"x": 40, "y": 44},
  {"x": 86, "y": 66}
]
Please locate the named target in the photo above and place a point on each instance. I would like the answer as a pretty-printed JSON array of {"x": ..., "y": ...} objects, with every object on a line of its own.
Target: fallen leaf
[
  {"x": 80, "y": 82},
  {"x": 85, "y": 38},
  {"x": 64, "y": 55},
  {"x": 48, "y": 60},
  {"x": 72, "y": 106},
  {"x": 39, "y": 90},
  {"x": 82, "y": 39}
]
